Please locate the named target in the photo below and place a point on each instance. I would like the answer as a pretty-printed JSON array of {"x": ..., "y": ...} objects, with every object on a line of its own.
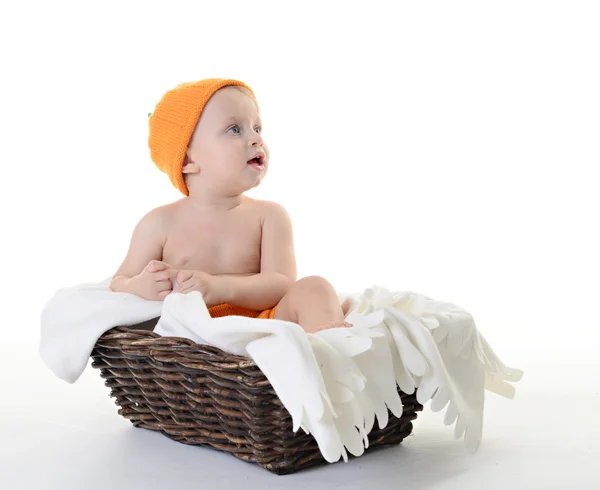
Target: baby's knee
[
  {"x": 302, "y": 295},
  {"x": 314, "y": 284}
]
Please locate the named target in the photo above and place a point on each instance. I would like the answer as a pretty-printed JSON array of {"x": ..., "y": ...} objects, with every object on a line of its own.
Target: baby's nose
[{"x": 256, "y": 140}]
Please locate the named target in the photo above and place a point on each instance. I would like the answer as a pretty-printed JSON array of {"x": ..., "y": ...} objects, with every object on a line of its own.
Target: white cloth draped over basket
[{"x": 331, "y": 382}]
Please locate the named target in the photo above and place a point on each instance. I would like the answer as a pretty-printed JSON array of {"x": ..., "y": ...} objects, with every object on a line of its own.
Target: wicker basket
[{"x": 201, "y": 395}]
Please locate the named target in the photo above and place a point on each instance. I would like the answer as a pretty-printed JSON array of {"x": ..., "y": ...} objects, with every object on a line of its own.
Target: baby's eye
[
  {"x": 258, "y": 129},
  {"x": 235, "y": 129}
]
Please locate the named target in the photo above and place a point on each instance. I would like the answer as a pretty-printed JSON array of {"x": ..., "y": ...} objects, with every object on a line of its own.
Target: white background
[{"x": 449, "y": 148}]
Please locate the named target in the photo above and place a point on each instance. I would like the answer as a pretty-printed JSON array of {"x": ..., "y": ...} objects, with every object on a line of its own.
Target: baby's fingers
[
  {"x": 164, "y": 285},
  {"x": 166, "y": 274},
  {"x": 183, "y": 276},
  {"x": 157, "y": 265}
]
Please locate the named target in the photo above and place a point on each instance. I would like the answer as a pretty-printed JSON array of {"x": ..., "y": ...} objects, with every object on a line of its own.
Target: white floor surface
[{"x": 61, "y": 436}]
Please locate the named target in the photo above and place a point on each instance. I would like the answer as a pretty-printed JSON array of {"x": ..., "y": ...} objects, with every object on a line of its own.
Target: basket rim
[{"x": 124, "y": 337}]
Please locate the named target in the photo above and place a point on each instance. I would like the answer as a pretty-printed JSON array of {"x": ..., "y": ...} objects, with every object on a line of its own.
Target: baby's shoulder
[
  {"x": 159, "y": 217},
  {"x": 267, "y": 208},
  {"x": 160, "y": 212}
]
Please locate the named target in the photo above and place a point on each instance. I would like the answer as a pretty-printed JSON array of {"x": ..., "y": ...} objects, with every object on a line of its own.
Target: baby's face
[{"x": 227, "y": 144}]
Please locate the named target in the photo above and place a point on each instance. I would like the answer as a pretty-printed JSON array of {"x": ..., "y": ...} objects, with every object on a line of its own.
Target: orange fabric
[
  {"x": 173, "y": 121},
  {"x": 229, "y": 310}
]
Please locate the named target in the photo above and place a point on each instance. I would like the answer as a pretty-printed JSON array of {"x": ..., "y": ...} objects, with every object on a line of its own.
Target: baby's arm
[
  {"x": 277, "y": 265},
  {"x": 146, "y": 246}
]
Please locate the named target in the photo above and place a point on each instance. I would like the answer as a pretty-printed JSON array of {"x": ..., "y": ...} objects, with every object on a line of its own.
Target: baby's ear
[{"x": 189, "y": 167}]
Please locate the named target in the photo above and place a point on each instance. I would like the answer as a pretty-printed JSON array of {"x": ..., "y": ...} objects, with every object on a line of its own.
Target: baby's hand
[
  {"x": 154, "y": 282},
  {"x": 189, "y": 280}
]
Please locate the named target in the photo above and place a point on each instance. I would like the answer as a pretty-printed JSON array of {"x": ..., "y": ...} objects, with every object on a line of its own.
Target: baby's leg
[{"x": 313, "y": 304}]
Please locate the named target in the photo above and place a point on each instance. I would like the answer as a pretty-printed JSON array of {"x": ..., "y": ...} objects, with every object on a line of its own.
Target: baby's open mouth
[{"x": 257, "y": 162}]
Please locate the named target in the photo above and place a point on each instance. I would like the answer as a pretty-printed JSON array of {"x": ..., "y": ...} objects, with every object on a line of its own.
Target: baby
[{"x": 237, "y": 251}]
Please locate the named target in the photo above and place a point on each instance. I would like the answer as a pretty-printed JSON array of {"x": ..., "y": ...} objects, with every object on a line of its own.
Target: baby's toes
[{"x": 329, "y": 325}]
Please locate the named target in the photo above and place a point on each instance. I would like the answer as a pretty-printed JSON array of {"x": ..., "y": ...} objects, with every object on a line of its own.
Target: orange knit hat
[{"x": 173, "y": 121}]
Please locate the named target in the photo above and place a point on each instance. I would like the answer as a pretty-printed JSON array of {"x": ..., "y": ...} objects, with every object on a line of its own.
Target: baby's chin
[
  {"x": 259, "y": 180},
  {"x": 246, "y": 184}
]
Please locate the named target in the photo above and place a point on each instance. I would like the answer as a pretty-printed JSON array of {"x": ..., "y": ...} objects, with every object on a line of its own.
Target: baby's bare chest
[{"x": 216, "y": 246}]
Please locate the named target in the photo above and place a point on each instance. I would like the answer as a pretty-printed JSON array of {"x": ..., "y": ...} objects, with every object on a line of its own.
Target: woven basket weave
[{"x": 201, "y": 395}]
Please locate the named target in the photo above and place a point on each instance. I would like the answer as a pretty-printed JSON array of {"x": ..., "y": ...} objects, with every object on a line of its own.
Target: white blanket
[{"x": 331, "y": 382}]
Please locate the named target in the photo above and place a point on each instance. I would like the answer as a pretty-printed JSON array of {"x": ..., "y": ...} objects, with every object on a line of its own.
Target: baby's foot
[
  {"x": 346, "y": 306},
  {"x": 327, "y": 326}
]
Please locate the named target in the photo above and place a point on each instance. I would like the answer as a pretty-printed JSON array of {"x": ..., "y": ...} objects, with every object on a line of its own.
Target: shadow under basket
[{"x": 200, "y": 395}]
